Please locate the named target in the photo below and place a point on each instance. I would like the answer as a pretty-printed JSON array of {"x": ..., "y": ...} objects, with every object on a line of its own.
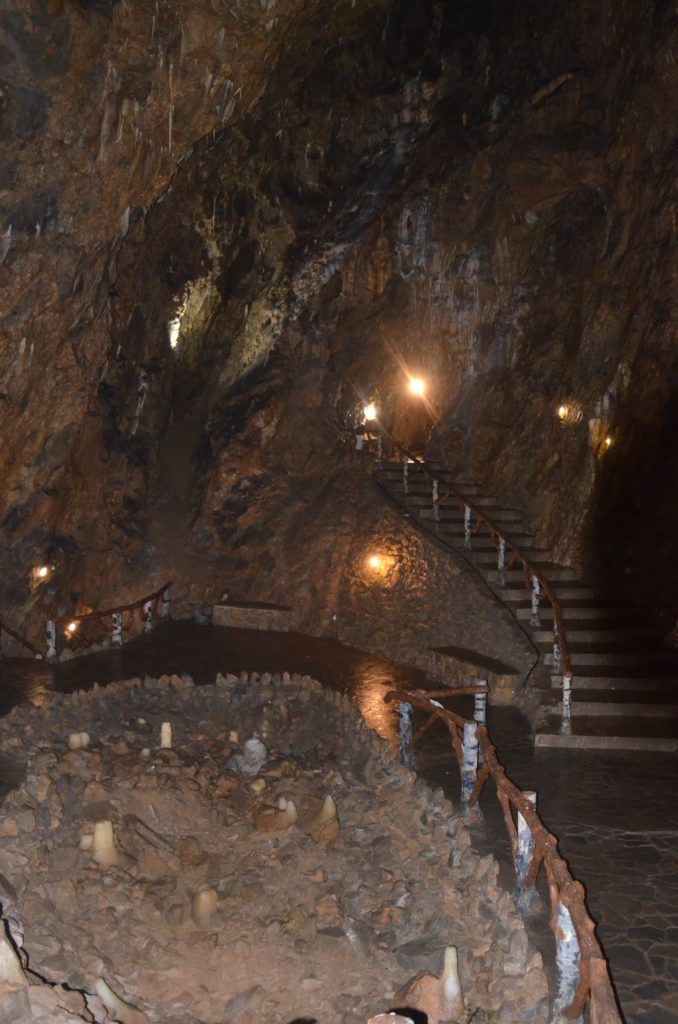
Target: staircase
[{"x": 625, "y": 685}]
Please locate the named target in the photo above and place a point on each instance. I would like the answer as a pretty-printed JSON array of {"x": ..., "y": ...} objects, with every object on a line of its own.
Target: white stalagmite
[
  {"x": 451, "y": 997},
  {"x": 103, "y": 847},
  {"x": 166, "y": 736},
  {"x": 204, "y": 905},
  {"x": 78, "y": 741},
  {"x": 119, "y": 1010}
]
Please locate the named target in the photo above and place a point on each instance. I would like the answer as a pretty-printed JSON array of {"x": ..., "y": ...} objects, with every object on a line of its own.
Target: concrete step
[
  {"x": 574, "y": 611},
  {"x": 564, "y": 591},
  {"x": 651, "y": 696},
  {"x": 620, "y": 709},
  {"x": 577, "y": 635},
  {"x": 609, "y": 659},
  {"x": 613, "y": 741},
  {"x": 602, "y": 679},
  {"x": 559, "y": 575}
]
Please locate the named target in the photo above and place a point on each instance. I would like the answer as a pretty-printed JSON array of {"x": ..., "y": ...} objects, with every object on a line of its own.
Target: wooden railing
[
  {"x": 582, "y": 975},
  {"x": 536, "y": 582},
  {"x": 4, "y": 628},
  {"x": 147, "y": 607}
]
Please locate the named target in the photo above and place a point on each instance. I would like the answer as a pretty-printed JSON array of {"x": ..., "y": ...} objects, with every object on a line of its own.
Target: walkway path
[{"x": 616, "y": 815}]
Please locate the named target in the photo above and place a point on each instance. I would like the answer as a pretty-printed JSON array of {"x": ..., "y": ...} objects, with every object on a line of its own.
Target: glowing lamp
[
  {"x": 174, "y": 326},
  {"x": 374, "y": 562},
  {"x": 71, "y": 627},
  {"x": 562, "y": 412},
  {"x": 417, "y": 386},
  {"x": 370, "y": 412},
  {"x": 607, "y": 442}
]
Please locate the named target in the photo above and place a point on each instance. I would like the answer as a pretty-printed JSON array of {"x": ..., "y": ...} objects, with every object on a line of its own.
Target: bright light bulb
[
  {"x": 562, "y": 412},
  {"x": 42, "y": 571},
  {"x": 607, "y": 442},
  {"x": 417, "y": 386},
  {"x": 370, "y": 411},
  {"x": 374, "y": 561},
  {"x": 72, "y": 626}
]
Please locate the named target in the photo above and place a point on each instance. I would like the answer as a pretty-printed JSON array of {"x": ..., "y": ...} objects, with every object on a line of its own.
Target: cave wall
[{"x": 312, "y": 200}]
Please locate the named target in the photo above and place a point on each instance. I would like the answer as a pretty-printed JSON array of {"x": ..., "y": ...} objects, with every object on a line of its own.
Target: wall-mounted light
[
  {"x": 370, "y": 412},
  {"x": 42, "y": 571},
  {"x": 71, "y": 628},
  {"x": 569, "y": 411},
  {"x": 606, "y": 443},
  {"x": 173, "y": 328},
  {"x": 417, "y": 386},
  {"x": 374, "y": 562}
]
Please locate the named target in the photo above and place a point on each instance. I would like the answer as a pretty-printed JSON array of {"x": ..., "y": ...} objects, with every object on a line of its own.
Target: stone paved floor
[{"x": 616, "y": 815}]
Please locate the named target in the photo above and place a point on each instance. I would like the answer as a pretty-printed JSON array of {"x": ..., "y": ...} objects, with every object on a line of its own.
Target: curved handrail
[
  {"x": 117, "y": 610},
  {"x": 594, "y": 983},
  {"x": 560, "y": 634},
  {"x": 4, "y": 628},
  {"x": 145, "y": 604}
]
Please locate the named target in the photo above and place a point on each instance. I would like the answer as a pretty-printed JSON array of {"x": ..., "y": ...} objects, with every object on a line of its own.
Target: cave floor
[{"x": 615, "y": 814}]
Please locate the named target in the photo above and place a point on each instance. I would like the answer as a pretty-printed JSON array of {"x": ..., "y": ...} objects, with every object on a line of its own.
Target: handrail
[
  {"x": 560, "y": 643},
  {"x": 584, "y": 961},
  {"x": 4, "y": 628},
  {"x": 147, "y": 605}
]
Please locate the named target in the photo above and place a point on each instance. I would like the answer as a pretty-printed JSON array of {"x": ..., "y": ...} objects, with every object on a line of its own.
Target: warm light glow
[
  {"x": 417, "y": 386},
  {"x": 562, "y": 412},
  {"x": 607, "y": 442},
  {"x": 42, "y": 571},
  {"x": 374, "y": 562},
  {"x": 370, "y": 412},
  {"x": 72, "y": 626},
  {"x": 174, "y": 326}
]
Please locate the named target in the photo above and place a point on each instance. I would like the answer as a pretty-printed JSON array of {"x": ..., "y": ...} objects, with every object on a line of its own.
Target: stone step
[
  {"x": 620, "y": 709},
  {"x": 573, "y": 611},
  {"x": 554, "y": 575},
  {"x": 578, "y": 634},
  {"x": 588, "y": 658},
  {"x": 651, "y": 696},
  {"x": 613, "y": 741},
  {"x": 564, "y": 591},
  {"x": 596, "y": 678}
]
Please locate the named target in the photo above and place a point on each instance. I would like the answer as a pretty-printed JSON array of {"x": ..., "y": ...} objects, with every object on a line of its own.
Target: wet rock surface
[{"x": 215, "y": 902}]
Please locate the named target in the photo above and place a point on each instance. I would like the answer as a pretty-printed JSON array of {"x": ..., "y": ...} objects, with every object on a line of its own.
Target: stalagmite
[
  {"x": 103, "y": 847},
  {"x": 166, "y": 736},
  {"x": 118, "y": 1009},
  {"x": 204, "y": 905},
  {"x": 78, "y": 741},
  {"x": 452, "y": 999},
  {"x": 274, "y": 819},
  {"x": 325, "y": 826}
]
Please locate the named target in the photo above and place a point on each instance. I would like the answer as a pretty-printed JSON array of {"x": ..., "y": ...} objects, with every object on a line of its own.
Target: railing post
[
  {"x": 51, "y": 654},
  {"x": 116, "y": 633},
  {"x": 435, "y": 502},
  {"x": 165, "y": 605},
  {"x": 567, "y": 964},
  {"x": 536, "y": 591},
  {"x": 405, "y": 464},
  {"x": 467, "y": 527},
  {"x": 525, "y": 896},
  {"x": 501, "y": 563},
  {"x": 480, "y": 710},
  {"x": 148, "y": 616},
  {"x": 566, "y": 722},
  {"x": 405, "y": 751},
  {"x": 141, "y": 393},
  {"x": 556, "y": 646},
  {"x": 469, "y": 771},
  {"x": 359, "y": 440},
  {"x": 380, "y": 449}
]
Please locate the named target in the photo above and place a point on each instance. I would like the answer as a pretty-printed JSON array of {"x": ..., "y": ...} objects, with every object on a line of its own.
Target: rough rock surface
[
  {"x": 315, "y": 195},
  {"x": 296, "y": 921}
]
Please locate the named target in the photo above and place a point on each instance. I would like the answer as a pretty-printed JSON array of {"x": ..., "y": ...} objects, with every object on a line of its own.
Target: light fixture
[
  {"x": 607, "y": 442},
  {"x": 374, "y": 562},
  {"x": 569, "y": 411},
  {"x": 562, "y": 412},
  {"x": 174, "y": 326},
  {"x": 370, "y": 412},
  {"x": 71, "y": 627},
  {"x": 417, "y": 386},
  {"x": 42, "y": 571}
]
